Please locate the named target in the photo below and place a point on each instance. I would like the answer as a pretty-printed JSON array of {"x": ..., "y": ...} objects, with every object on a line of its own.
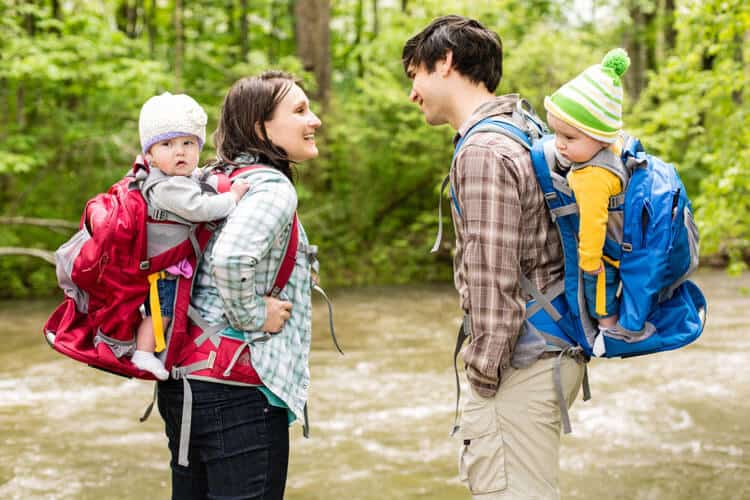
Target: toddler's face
[
  {"x": 176, "y": 156},
  {"x": 571, "y": 143}
]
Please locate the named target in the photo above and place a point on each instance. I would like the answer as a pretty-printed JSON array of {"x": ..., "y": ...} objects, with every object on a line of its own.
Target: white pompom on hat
[{"x": 167, "y": 116}]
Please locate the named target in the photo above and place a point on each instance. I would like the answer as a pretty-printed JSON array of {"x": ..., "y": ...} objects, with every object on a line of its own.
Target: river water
[{"x": 667, "y": 426}]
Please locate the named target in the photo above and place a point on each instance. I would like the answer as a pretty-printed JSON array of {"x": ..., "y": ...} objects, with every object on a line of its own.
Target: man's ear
[{"x": 446, "y": 65}]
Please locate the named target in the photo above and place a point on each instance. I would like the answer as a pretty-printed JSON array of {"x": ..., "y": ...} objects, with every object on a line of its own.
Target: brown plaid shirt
[{"x": 504, "y": 229}]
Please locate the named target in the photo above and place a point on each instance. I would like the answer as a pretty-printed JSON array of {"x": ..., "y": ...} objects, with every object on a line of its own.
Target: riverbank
[{"x": 668, "y": 426}]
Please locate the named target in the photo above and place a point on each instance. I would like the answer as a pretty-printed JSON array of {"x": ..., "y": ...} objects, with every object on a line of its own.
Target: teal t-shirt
[{"x": 274, "y": 400}]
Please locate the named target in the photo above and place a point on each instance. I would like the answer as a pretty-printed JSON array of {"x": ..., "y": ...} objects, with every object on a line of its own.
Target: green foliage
[
  {"x": 72, "y": 83},
  {"x": 696, "y": 113}
]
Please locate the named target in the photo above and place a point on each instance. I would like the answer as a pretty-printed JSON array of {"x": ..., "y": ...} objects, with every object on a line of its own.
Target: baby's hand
[{"x": 239, "y": 188}]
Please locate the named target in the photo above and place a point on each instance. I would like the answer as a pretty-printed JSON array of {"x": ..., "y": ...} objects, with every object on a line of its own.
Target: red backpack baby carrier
[{"x": 104, "y": 271}]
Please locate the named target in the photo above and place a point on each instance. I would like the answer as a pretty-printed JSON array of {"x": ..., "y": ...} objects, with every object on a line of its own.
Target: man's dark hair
[{"x": 477, "y": 51}]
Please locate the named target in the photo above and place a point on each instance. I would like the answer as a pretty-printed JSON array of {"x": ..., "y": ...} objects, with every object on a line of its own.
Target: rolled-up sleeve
[
  {"x": 251, "y": 229},
  {"x": 489, "y": 197}
]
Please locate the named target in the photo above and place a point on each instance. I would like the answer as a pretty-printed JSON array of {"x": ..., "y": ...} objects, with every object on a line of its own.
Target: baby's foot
[
  {"x": 146, "y": 361},
  {"x": 599, "y": 348}
]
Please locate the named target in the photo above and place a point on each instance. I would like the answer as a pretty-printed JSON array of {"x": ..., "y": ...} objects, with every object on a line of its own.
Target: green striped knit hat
[{"x": 592, "y": 101}]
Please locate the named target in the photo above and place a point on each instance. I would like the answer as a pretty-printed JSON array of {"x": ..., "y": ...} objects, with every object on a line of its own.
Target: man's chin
[{"x": 434, "y": 120}]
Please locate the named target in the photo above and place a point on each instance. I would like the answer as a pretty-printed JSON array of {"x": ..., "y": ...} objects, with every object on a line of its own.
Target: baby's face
[
  {"x": 571, "y": 143},
  {"x": 176, "y": 156}
]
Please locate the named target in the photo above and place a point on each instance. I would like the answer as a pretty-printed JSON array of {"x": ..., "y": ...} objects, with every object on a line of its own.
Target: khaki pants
[{"x": 511, "y": 442}]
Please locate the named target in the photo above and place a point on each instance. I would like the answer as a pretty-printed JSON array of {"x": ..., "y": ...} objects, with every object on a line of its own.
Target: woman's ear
[{"x": 259, "y": 131}]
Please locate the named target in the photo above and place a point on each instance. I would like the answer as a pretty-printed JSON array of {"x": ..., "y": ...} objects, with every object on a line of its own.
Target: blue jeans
[
  {"x": 612, "y": 283},
  {"x": 167, "y": 289},
  {"x": 239, "y": 443}
]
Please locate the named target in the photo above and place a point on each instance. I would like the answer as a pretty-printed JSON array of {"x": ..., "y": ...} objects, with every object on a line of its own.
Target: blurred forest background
[{"x": 74, "y": 73}]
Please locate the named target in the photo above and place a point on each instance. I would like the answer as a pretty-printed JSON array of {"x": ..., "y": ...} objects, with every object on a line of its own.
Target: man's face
[{"x": 428, "y": 92}]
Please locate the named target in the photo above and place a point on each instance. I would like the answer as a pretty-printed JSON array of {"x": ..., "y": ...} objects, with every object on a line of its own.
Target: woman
[{"x": 239, "y": 442}]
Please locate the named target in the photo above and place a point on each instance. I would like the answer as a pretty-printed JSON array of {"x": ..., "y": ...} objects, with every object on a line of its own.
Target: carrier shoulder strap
[
  {"x": 531, "y": 130},
  {"x": 284, "y": 271}
]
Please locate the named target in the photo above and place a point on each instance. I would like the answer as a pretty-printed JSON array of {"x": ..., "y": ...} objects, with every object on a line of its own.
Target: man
[{"x": 510, "y": 423}]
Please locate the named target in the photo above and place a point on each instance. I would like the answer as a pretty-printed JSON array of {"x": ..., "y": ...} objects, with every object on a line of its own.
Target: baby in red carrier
[{"x": 173, "y": 130}]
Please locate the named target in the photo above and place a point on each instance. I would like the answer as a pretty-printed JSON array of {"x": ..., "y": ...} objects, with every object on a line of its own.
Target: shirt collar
[{"x": 500, "y": 105}]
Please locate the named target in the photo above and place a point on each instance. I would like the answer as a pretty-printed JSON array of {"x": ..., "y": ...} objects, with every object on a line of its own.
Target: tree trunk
[
  {"x": 274, "y": 43},
  {"x": 403, "y": 5},
  {"x": 131, "y": 12},
  {"x": 30, "y": 23},
  {"x": 640, "y": 47},
  {"x": 359, "y": 25},
  {"x": 244, "y": 31},
  {"x": 56, "y": 14},
  {"x": 20, "y": 108},
  {"x": 670, "y": 34},
  {"x": 229, "y": 6},
  {"x": 740, "y": 55},
  {"x": 179, "y": 48},
  {"x": 150, "y": 16},
  {"x": 375, "y": 20},
  {"x": 312, "y": 32}
]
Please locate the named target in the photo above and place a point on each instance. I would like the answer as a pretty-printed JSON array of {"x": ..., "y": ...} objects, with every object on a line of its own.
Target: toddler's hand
[{"x": 239, "y": 188}]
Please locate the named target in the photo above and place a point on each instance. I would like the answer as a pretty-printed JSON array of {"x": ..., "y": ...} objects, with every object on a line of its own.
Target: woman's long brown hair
[{"x": 248, "y": 105}]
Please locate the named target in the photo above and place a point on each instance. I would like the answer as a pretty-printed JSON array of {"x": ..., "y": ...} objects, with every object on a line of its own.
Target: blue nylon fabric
[{"x": 655, "y": 207}]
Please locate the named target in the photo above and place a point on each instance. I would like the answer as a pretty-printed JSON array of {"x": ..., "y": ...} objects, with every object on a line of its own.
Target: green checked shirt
[{"x": 238, "y": 269}]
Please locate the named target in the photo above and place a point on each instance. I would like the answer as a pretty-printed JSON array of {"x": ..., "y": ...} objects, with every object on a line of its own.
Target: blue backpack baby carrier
[{"x": 657, "y": 250}]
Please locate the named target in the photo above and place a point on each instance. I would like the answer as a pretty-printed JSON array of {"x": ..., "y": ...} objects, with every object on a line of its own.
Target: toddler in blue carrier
[{"x": 586, "y": 116}]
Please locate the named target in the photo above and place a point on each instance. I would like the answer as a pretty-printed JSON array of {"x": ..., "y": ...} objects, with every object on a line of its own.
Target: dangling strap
[
  {"x": 436, "y": 246},
  {"x": 330, "y": 316},
  {"x": 185, "y": 423},
  {"x": 306, "y": 422},
  {"x": 150, "y": 406},
  {"x": 463, "y": 333},
  {"x": 555, "y": 344},
  {"x": 187, "y": 403},
  {"x": 156, "y": 310}
]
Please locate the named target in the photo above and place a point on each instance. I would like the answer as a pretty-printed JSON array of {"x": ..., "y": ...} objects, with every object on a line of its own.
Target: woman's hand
[
  {"x": 239, "y": 188},
  {"x": 277, "y": 313}
]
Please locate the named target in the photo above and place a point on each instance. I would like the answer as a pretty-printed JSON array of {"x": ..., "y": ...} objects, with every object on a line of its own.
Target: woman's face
[{"x": 292, "y": 126}]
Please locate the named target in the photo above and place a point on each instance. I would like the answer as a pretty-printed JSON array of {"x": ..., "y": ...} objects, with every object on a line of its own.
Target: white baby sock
[
  {"x": 146, "y": 361},
  {"x": 598, "y": 348}
]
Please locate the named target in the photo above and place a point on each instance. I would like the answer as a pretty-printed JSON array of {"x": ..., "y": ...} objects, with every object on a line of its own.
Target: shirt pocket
[{"x": 482, "y": 455}]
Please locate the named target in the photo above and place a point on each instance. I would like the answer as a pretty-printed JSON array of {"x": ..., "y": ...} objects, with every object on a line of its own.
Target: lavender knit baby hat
[{"x": 167, "y": 116}]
